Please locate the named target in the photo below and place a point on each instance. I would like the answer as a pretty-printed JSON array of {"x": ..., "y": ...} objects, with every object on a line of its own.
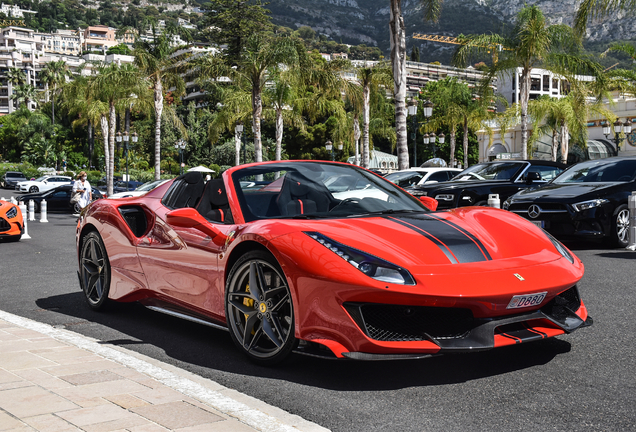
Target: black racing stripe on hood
[
  {"x": 461, "y": 245},
  {"x": 478, "y": 242},
  {"x": 429, "y": 236}
]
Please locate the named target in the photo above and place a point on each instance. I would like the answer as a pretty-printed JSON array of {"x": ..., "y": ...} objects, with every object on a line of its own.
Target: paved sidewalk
[{"x": 56, "y": 380}]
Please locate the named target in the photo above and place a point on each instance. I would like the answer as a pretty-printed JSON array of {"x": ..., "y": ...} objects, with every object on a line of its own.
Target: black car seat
[
  {"x": 190, "y": 192},
  {"x": 214, "y": 205},
  {"x": 299, "y": 195}
]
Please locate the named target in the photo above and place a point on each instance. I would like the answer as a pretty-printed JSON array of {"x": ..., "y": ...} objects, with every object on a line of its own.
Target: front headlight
[
  {"x": 586, "y": 205},
  {"x": 444, "y": 197},
  {"x": 13, "y": 212},
  {"x": 370, "y": 265},
  {"x": 506, "y": 204},
  {"x": 559, "y": 246}
]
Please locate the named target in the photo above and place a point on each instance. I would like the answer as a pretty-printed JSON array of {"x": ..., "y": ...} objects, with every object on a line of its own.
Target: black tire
[
  {"x": 36, "y": 207},
  {"x": 34, "y": 189},
  {"x": 261, "y": 320},
  {"x": 620, "y": 226},
  {"x": 94, "y": 271},
  {"x": 77, "y": 208}
]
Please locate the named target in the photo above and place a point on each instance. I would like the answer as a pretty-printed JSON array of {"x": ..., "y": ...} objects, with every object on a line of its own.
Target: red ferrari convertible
[{"x": 329, "y": 259}]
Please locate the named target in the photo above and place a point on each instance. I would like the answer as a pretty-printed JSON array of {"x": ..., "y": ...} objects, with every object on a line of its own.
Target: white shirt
[{"x": 85, "y": 199}]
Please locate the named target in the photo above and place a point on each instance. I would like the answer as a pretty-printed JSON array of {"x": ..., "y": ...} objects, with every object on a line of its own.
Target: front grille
[
  {"x": 4, "y": 225},
  {"x": 385, "y": 322},
  {"x": 564, "y": 305},
  {"x": 548, "y": 207}
]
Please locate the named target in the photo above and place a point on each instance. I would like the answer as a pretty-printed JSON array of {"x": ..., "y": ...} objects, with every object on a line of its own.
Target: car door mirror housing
[
  {"x": 429, "y": 202},
  {"x": 188, "y": 217}
]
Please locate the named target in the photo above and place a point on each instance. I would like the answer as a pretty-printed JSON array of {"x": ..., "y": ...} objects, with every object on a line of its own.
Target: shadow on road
[{"x": 208, "y": 348}]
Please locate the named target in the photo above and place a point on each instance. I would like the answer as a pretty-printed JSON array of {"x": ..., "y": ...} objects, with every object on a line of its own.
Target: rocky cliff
[{"x": 366, "y": 21}]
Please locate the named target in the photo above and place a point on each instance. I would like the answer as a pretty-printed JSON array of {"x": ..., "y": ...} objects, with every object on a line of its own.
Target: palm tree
[
  {"x": 531, "y": 43},
  {"x": 118, "y": 86},
  {"x": 15, "y": 77},
  {"x": 25, "y": 93},
  {"x": 236, "y": 109},
  {"x": 54, "y": 74},
  {"x": 156, "y": 61},
  {"x": 567, "y": 116},
  {"x": 371, "y": 79},
  {"x": 397, "y": 34},
  {"x": 280, "y": 98}
]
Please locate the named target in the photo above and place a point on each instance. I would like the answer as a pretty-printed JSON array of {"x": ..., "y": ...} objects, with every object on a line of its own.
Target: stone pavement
[{"x": 55, "y": 380}]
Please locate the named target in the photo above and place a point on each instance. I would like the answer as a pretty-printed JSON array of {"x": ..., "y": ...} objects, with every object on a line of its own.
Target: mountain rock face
[{"x": 367, "y": 21}]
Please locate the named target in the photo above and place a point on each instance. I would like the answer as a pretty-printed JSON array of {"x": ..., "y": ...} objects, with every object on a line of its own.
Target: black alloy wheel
[
  {"x": 34, "y": 189},
  {"x": 620, "y": 226},
  {"x": 94, "y": 271},
  {"x": 259, "y": 309}
]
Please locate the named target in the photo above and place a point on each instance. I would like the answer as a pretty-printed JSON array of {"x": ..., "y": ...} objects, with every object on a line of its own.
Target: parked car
[
  {"x": 472, "y": 186},
  {"x": 58, "y": 199},
  {"x": 11, "y": 178},
  {"x": 587, "y": 201},
  {"x": 43, "y": 183},
  {"x": 11, "y": 224},
  {"x": 420, "y": 176},
  {"x": 368, "y": 273},
  {"x": 140, "y": 190}
]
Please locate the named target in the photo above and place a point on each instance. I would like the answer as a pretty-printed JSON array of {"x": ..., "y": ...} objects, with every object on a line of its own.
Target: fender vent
[{"x": 135, "y": 219}]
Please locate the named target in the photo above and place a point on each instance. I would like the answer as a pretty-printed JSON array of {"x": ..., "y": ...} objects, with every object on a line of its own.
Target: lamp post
[
  {"x": 619, "y": 127},
  {"x": 118, "y": 139},
  {"x": 180, "y": 145},
  {"x": 329, "y": 147},
  {"x": 413, "y": 113},
  {"x": 126, "y": 138}
]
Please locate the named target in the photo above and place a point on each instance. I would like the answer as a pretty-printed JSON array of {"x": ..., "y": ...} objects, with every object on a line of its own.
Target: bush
[{"x": 94, "y": 176}]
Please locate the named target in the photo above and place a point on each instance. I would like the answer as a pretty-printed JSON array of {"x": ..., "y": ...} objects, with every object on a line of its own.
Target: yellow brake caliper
[{"x": 248, "y": 302}]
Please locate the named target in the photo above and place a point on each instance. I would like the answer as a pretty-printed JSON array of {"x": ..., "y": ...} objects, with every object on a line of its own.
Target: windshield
[
  {"x": 149, "y": 186},
  {"x": 317, "y": 190},
  {"x": 599, "y": 170},
  {"x": 16, "y": 175},
  {"x": 491, "y": 171},
  {"x": 405, "y": 178},
  {"x": 39, "y": 179}
]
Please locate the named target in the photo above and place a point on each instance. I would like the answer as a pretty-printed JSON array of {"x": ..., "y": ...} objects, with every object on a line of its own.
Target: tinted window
[
  {"x": 491, "y": 171},
  {"x": 597, "y": 171},
  {"x": 439, "y": 176},
  {"x": 547, "y": 172}
]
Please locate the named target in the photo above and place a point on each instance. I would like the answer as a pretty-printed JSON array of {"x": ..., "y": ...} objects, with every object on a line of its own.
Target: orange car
[{"x": 11, "y": 225}]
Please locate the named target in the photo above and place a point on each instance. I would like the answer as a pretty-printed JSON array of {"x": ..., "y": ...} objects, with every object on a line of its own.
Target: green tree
[
  {"x": 54, "y": 74},
  {"x": 233, "y": 22},
  {"x": 15, "y": 77},
  {"x": 157, "y": 63},
  {"x": 531, "y": 43},
  {"x": 26, "y": 94}
]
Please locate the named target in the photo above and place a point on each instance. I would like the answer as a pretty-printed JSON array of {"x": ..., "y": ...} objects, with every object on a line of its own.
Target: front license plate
[
  {"x": 540, "y": 224},
  {"x": 526, "y": 300}
]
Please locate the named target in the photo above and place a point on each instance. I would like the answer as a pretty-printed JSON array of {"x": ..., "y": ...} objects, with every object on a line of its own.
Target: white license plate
[
  {"x": 540, "y": 224},
  {"x": 526, "y": 300}
]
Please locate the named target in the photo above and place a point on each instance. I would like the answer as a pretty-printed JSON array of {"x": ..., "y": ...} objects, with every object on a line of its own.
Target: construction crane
[{"x": 453, "y": 40}]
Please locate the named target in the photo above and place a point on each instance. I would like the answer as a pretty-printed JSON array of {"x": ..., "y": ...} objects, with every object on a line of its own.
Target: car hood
[
  {"x": 469, "y": 236},
  {"x": 564, "y": 191}
]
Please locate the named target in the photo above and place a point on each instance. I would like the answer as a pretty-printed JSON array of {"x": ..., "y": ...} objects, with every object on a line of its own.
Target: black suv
[
  {"x": 472, "y": 186},
  {"x": 12, "y": 178}
]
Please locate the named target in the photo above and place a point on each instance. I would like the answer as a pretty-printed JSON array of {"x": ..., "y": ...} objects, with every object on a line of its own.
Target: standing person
[{"x": 83, "y": 187}]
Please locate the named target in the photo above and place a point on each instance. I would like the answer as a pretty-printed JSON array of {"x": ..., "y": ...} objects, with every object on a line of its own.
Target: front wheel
[
  {"x": 34, "y": 189},
  {"x": 94, "y": 271},
  {"x": 620, "y": 226},
  {"x": 259, "y": 309}
]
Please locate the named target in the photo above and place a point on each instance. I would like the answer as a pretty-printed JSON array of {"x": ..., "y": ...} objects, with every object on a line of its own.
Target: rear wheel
[
  {"x": 620, "y": 226},
  {"x": 94, "y": 271},
  {"x": 259, "y": 309},
  {"x": 34, "y": 189},
  {"x": 77, "y": 208}
]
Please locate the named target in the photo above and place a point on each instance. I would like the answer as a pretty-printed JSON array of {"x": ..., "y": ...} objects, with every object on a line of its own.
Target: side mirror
[
  {"x": 429, "y": 203},
  {"x": 532, "y": 177},
  {"x": 190, "y": 218}
]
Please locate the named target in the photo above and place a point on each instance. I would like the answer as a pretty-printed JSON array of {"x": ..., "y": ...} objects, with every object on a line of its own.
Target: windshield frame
[
  {"x": 473, "y": 171},
  {"x": 314, "y": 173},
  {"x": 589, "y": 165}
]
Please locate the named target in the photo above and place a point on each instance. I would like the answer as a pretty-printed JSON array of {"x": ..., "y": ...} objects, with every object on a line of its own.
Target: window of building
[{"x": 546, "y": 83}]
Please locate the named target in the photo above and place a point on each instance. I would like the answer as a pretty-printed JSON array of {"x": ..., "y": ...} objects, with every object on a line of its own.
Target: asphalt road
[{"x": 585, "y": 381}]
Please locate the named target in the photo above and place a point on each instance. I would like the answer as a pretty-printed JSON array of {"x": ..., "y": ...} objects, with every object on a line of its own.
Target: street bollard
[
  {"x": 23, "y": 209},
  {"x": 43, "y": 211},
  {"x": 2, "y": 199},
  {"x": 31, "y": 210},
  {"x": 13, "y": 201},
  {"x": 631, "y": 205},
  {"x": 493, "y": 201}
]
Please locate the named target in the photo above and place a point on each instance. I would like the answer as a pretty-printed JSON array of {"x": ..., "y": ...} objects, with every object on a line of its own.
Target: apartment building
[
  {"x": 66, "y": 42},
  {"x": 98, "y": 38}
]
